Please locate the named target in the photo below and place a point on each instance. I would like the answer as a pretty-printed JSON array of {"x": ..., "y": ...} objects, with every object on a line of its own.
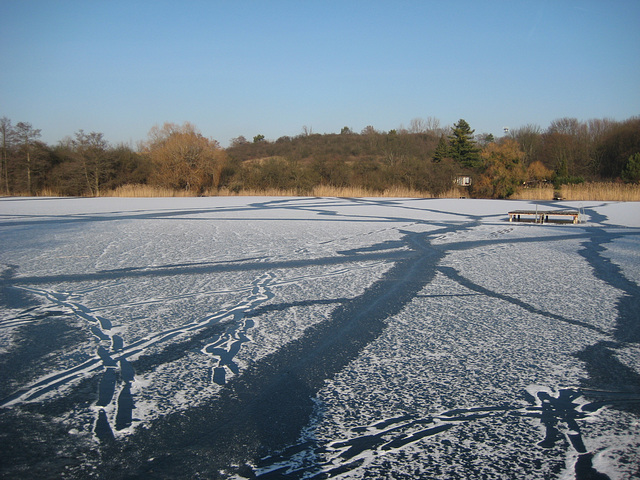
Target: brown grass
[
  {"x": 318, "y": 191},
  {"x": 49, "y": 192},
  {"x": 347, "y": 192},
  {"x": 353, "y": 192},
  {"x": 602, "y": 191},
  {"x": 455, "y": 192},
  {"x": 146, "y": 191},
  {"x": 597, "y": 191},
  {"x": 611, "y": 192},
  {"x": 534, "y": 193},
  {"x": 250, "y": 192},
  {"x": 45, "y": 192},
  {"x": 324, "y": 191}
]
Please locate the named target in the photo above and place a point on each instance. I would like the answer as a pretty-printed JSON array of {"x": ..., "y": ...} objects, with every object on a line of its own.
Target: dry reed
[
  {"x": 49, "y": 192},
  {"x": 612, "y": 192},
  {"x": 324, "y": 191},
  {"x": 354, "y": 192},
  {"x": 250, "y": 192},
  {"x": 601, "y": 191},
  {"x": 455, "y": 192},
  {"x": 534, "y": 193},
  {"x": 317, "y": 191},
  {"x": 146, "y": 191}
]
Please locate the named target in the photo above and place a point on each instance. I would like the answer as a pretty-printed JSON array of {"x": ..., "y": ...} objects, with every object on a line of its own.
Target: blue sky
[{"x": 271, "y": 67}]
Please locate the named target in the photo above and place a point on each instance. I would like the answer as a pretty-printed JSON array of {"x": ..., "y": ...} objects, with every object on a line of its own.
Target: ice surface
[{"x": 354, "y": 338}]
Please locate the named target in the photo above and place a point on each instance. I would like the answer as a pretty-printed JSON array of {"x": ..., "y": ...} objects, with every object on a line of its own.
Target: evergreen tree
[
  {"x": 631, "y": 172},
  {"x": 462, "y": 145},
  {"x": 442, "y": 150}
]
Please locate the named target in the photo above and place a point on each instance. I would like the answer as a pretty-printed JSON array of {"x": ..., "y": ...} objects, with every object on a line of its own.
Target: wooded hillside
[{"x": 425, "y": 158}]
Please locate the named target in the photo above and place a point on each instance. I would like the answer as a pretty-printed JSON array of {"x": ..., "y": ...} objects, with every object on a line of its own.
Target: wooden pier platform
[{"x": 544, "y": 216}]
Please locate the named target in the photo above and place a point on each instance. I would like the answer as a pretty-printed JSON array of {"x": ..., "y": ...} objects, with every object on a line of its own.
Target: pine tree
[
  {"x": 462, "y": 145},
  {"x": 631, "y": 172},
  {"x": 442, "y": 150}
]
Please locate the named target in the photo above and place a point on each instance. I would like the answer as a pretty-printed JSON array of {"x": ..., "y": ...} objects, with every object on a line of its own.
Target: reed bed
[
  {"x": 345, "y": 192},
  {"x": 601, "y": 191},
  {"x": 49, "y": 192},
  {"x": 454, "y": 192},
  {"x": 136, "y": 191},
  {"x": 397, "y": 192},
  {"x": 596, "y": 191},
  {"x": 325, "y": 191},
  {"x": 317, "y": 191},
  {"x": 534, "y": 193}
]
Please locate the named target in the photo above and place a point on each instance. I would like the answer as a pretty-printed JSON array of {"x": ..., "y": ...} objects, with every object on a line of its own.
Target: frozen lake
[{"x": 295, "y": 338}]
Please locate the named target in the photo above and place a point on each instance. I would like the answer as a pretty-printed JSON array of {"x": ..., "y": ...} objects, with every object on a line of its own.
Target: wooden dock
[{"x": 544, "y": 216}]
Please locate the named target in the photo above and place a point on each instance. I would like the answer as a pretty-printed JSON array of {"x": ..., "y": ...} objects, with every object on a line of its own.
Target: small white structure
[{"x": 463, "y": 180}]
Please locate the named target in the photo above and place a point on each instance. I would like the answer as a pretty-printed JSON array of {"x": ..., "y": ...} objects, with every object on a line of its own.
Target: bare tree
[
  {"x": 417, "y": 125},
  {"x": 238, "y": 141},
  {"x": 431, "y": 125},
  {"x": 565, "y": 126},
  {"x": 599, "y": 127},
  {"x": 27, "y": 135},
  {"x": 573, "y": 145},
  {"x": 597, "y": 130},
  {"x": 529, "y": 137},
  {"x": 91, "y": 149},
  {"x": 7, "y": 132}
]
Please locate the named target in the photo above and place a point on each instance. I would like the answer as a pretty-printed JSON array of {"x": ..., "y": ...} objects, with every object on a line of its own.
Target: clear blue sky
[{"x": 271, "y": 67}]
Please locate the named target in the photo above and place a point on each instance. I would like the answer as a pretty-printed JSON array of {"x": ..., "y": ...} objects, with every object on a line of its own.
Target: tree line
[{"x": 423, "y": 157}]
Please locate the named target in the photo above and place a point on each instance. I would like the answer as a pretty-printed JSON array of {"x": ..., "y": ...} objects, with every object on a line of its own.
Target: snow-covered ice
[{"x": 260, "y": 337}]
